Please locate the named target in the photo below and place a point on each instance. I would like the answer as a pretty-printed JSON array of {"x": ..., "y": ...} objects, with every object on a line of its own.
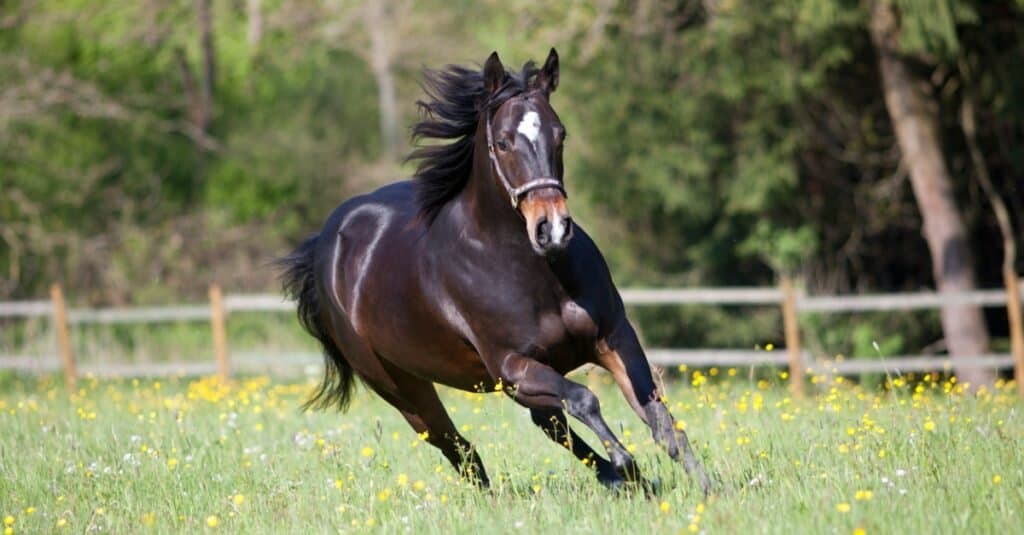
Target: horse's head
[{"x": 524, "y": 138}]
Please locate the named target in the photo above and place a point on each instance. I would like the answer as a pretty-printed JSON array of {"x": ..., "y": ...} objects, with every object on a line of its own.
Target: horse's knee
[{"x": 582, "y": 403}]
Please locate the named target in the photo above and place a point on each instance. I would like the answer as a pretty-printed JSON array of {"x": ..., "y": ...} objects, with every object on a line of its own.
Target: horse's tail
[{"x": 298, "y": 280}]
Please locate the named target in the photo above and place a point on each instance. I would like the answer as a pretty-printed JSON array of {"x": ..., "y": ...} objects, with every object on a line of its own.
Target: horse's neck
[
  {"x": 497, "y": 239},
  {"x": 484, "y": 210}
]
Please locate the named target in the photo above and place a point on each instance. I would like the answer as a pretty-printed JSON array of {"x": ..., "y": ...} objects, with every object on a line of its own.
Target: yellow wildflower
[
  {"x": 843, "y": 507},
  {"x": 212, "y": 521}
]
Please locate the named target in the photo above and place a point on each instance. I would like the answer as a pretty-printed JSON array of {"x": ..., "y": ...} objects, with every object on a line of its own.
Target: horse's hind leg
[
  {"x": 430, "y": 417},
  {"x": 538, "y": 386},
  {"x": 415, "y": 398},
  {"x": 622, "y": 355},
  {"x": 556, "y": 427},
  {"x": 418, "y": 402}
]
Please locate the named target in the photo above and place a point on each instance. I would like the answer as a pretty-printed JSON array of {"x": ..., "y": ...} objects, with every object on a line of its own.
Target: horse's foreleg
[
  {"x": 556, "y": 427},
  {"x": 538, "y": 386},
  {"x": 622, "y": 355}
]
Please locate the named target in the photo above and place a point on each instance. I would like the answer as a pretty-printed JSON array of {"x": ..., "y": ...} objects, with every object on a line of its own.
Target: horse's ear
[
  {"x": 547, "y": 78},
  {"x": 494, "y": 73}
]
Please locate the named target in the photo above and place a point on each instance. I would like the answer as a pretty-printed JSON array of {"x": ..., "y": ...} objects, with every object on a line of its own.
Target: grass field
[{"x": 193, "y": 455}]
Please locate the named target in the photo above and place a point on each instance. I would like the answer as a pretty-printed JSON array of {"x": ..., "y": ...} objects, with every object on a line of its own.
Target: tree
[{"x": 914, "y": 114}]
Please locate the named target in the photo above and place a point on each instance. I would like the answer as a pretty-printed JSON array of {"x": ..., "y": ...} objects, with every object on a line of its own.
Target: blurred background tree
[{"x": 150, "y": 146}]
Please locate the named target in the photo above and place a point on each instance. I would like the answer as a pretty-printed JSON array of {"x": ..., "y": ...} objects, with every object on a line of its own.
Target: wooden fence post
[
  {"x": 1013, "y": 313},
  {"x": 220, "y": 339},
  {"x": 792, "y": 332},
  {"x": 60, "y": 325}
]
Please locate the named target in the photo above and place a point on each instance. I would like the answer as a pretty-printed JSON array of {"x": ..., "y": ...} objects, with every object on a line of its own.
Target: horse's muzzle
[{"x": 547, "y": 221}]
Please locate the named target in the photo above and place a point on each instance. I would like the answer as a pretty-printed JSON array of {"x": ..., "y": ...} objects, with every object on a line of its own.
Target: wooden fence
[{"x": 790, "y": 301}]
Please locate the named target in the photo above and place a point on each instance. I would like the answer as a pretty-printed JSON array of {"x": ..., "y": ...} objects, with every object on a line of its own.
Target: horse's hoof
[
  {"x": 652, "y": 487},
  {"x": 611, "y": 481},
  {"x": 616, "y": 485},
  {"x": 629, "y": 471}
]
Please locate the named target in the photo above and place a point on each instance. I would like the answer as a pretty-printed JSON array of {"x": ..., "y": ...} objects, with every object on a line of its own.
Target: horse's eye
[{"x": 502, "y": 145}]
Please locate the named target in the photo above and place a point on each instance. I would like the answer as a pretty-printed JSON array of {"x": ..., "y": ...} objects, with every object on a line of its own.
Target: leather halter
[{"x": 516, "y": 194}]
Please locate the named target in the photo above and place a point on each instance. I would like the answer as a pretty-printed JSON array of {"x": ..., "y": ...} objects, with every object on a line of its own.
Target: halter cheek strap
[{"x": 516, "y": 194}]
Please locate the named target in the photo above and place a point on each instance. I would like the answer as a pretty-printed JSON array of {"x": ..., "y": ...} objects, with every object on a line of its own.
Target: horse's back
[
  {"x": 373, "y": 212},
  {"x": 396, "y": 198},
  {"x": 348, "y": 248}
]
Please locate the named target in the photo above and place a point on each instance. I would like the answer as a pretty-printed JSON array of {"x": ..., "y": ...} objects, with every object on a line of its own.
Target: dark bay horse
[{"x": 473, "y": 275}]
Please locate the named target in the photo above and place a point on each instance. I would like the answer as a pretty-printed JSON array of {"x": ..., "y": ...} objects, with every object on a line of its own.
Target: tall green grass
[{"x": 192, "y": 455}]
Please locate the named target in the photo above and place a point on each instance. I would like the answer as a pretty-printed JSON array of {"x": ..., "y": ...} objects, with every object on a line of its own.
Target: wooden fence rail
[{"x": 789, "y": 300}]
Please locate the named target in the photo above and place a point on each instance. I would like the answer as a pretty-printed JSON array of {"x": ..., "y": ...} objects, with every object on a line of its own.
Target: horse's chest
[
  {"x": 561, "y": 335},
  {"x": 577, "y": 321}
]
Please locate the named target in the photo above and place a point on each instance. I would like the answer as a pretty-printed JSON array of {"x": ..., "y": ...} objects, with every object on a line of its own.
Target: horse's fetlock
[{"x": 626, "y": 466}]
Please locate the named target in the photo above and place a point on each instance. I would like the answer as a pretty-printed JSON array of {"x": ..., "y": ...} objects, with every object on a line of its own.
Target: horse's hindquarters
[{"x": 384, "y": 312}]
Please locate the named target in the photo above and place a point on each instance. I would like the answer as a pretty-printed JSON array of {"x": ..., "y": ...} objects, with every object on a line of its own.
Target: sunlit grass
[{"x": 195, "y": 455}]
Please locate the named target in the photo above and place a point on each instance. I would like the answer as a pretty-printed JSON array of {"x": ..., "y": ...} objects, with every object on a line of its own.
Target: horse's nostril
[{"x": 543, "y": 231}]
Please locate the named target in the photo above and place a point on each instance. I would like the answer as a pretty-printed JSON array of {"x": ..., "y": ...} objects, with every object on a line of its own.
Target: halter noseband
[{"x": 515, "y": 194}]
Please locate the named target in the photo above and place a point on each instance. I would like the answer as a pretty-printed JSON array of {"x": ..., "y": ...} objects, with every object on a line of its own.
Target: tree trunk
[
  {"x": 913, "y": 112},
  {"x": 255, "y": 18},
  {"x": 380, "y": 63},
  {"x": 206, "y": 46}
]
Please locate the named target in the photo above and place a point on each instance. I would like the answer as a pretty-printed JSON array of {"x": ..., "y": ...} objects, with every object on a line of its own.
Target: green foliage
[
  {"x": 869, "y": 335},
  {"x": 287, "y": 131},
  {"x": 931, "y": 27},
  {"x": 108, "y": 152},
  {"x": 711, "y": 143}
]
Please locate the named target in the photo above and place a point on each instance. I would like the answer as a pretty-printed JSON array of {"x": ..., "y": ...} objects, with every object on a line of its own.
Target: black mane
[{"x": 455, "y": 99}]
